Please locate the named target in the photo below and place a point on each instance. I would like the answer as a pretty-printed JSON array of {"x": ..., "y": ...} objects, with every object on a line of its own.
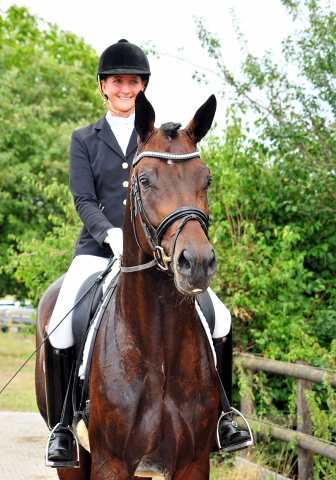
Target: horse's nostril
[
  {"x": 212, "y": 266},
  {"x": 183, "y": 264}
]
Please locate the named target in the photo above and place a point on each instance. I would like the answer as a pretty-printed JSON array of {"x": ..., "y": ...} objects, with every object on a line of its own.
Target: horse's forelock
[{"x": 170, "y": 129}]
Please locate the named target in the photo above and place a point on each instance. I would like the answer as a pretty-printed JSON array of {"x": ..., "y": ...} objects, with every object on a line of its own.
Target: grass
[
  {"x": 19, "y": 396},
  {"x": 228, "y": 471}
]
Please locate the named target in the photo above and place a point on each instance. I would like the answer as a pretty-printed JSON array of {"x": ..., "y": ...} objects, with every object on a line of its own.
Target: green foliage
[
  {"x": 47, "y": 89},
  {"x": 273, "y": 206},
  {"x": 267, "y": 247},
  {"x": 38, "y": 262},
  {"x": 274, "y": 273}
]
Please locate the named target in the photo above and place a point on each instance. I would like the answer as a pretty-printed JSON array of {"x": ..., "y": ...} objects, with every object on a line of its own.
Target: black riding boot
[
  {"x": 57, "y": 369},
  {"x": 228, "y": 437}
]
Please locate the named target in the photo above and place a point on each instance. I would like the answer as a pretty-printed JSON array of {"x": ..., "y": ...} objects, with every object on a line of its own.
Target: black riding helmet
[{"x": 123, "y": 58}]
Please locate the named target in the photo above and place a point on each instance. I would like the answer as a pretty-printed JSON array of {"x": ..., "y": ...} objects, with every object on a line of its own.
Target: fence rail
[
  {"x": 305, "y": 372},
  {"x": 303, "y": 437},
  {"x": 15, "y": 320}
]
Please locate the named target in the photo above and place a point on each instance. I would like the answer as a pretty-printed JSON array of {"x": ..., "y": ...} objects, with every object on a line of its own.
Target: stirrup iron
[
  {"x": 62, "y": 463},
  {"x": 239, "y": 445}
]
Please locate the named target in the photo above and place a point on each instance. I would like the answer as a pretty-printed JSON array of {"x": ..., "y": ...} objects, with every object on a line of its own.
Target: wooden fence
[
  {"x": 14, "y": 321},
  {"x": 303, "y": 436}
]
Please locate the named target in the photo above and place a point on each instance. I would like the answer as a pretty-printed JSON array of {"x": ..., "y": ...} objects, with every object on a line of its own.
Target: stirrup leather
[
  {"x": 239, "y": 445},
  {"x": 62, "y": 463}
]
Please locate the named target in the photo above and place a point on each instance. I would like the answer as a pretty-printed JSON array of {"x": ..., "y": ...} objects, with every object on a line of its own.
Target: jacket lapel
[
  {"x": 132, "y": 144},
  {"x": 107, "y": 136}
]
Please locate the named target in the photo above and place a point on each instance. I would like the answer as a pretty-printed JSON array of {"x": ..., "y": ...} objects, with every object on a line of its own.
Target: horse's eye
[
  {"x": 209, "y": 180},
  {"x": 144, "y": 182}
]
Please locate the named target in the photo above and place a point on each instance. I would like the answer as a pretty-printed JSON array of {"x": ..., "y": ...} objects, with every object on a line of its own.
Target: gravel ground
[{"x": 23, "y": 438}]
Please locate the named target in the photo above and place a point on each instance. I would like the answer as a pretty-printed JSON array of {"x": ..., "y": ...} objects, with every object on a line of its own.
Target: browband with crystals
[{"x": 165, "y": 155}]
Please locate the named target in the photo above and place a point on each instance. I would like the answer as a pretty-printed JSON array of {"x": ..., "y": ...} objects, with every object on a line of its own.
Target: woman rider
[{"x": 100, "y": 159}]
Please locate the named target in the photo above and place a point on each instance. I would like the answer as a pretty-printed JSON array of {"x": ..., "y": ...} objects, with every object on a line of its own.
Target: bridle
[{"x": 154, "y": 234}]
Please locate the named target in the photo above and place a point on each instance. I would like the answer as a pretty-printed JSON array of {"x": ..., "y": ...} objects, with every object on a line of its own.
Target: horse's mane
[{"x": 170, "y": 129}]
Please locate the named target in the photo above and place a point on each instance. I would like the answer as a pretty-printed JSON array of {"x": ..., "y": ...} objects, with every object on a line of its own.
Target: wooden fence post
[
  {"x": 247, "y": 408},
  {"x": 304, "y": 425},
  {"x": 10, "y": 332}
]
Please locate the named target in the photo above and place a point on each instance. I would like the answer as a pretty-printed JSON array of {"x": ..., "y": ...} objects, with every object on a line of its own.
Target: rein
[{"x": 154, "y": 234}]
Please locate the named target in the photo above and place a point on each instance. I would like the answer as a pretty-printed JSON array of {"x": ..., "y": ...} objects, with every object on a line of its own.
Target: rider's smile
[{"x": 122, "y": 91}]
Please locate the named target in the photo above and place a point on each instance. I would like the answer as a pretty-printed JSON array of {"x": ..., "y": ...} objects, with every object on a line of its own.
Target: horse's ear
[
  {"x": 199, "y": 126},
  {"x": 144, "y": 116}
]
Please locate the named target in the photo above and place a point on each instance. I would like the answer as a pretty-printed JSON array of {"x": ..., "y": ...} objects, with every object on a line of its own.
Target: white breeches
[{"x": 80, "y": 269}]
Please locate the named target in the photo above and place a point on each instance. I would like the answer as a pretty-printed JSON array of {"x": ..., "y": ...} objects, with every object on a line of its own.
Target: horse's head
[{"x": 169, "y": 194}]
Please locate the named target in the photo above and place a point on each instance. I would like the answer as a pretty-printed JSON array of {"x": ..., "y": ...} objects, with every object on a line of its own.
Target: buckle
[
  {"x": 62, "y": 463},
  {"x": 239, "y": 445},
  {"x": 163, "y": 257}
]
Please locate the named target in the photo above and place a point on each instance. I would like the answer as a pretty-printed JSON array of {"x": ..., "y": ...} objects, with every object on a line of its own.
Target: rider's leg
[
  {"x": 59, "y": 351},
  {"x": 80, "y": 269},
  {"x": 57, "y": 375},
  {"x": 229, "y": 436}
]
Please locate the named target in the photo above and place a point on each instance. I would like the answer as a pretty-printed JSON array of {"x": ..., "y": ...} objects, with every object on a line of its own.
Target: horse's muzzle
[{"x": 194, "y": 267}]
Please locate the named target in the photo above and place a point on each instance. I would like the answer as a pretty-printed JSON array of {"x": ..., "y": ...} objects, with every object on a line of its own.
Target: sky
[{"x": 170, "y": 25}]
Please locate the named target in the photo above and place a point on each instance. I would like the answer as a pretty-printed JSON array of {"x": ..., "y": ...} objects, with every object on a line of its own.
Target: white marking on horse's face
[{"x": 170, "y": 162}]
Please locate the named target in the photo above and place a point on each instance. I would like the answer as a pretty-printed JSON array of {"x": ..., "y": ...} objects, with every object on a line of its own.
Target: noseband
[{"x": 154, "y": 234}]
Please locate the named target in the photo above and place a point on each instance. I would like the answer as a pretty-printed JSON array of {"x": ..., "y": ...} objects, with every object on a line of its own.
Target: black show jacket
[{"x": 98, "y": 183}]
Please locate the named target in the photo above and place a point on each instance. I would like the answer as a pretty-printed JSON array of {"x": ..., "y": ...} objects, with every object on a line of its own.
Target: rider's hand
[{"x": 115, "y": 240}]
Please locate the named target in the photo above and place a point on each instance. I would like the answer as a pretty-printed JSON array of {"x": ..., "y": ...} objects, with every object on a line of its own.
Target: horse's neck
[
  {"x": 149, "y": 308},
  {"x": 152, "y": 317},
  {"x": 153, "y": 296}
]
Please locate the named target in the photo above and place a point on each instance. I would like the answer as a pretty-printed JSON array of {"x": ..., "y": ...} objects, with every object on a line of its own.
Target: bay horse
[{"x": 153, "y": 383}]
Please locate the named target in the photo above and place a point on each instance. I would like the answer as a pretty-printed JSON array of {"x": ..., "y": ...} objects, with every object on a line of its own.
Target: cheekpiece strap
[{"x": 165, "y": 155}]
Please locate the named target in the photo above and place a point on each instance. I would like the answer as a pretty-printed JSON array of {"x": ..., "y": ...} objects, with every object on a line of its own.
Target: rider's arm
[{"x": 83, "y": 191}]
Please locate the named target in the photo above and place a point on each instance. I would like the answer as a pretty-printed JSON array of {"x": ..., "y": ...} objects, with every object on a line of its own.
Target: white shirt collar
[{"x": 122, "y": 129}]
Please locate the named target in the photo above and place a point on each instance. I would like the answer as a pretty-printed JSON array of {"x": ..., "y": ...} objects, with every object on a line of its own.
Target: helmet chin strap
[{"x": 105, "y": 98}]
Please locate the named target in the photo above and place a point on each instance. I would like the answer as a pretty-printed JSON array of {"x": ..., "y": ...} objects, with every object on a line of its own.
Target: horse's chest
[{"x": 175, "y": 414}]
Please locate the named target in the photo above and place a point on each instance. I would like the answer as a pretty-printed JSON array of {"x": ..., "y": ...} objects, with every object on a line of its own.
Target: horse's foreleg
[
  {"x": 105, "y": 467},
  {"x": 197, "y": 470},
  {"x": 81, "y": 473}
]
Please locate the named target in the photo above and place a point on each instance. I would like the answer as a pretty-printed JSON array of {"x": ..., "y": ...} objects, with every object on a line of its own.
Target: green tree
[
  {"x": 273, "y": 205},
  {"x": 47, "y": 89},
  {"x": 280, "y": 190},
  {"x": 37, "y": 262}
]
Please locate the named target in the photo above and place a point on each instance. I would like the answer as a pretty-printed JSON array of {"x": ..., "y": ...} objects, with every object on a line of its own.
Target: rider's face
[{"x": 121, "y": 91}]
